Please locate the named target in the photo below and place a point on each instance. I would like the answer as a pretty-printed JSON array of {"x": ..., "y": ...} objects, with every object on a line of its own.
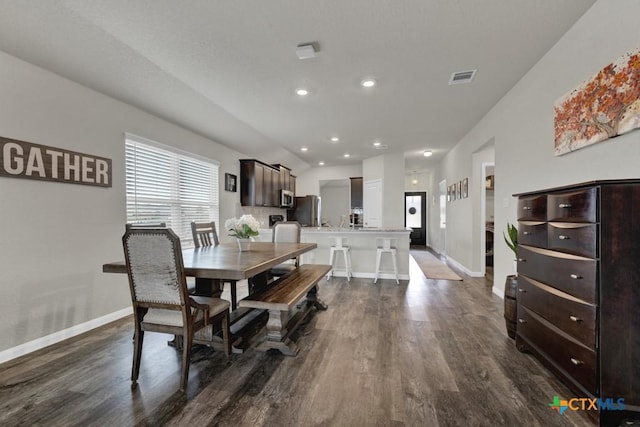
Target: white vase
[{"x": 244, "y": 244}]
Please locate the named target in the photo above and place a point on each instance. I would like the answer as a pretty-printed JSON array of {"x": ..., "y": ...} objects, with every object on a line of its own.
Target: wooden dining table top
[{"x": 226, "y": 262}]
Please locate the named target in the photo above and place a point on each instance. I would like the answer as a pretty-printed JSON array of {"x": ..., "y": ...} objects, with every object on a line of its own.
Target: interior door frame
[
  {"x": 423, "y": 207},
  {"x": 442, "y": 187}
]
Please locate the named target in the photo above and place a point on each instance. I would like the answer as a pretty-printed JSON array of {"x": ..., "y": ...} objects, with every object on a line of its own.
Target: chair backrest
[
  {"x": 155, "y": 268},
  {"x": 204, "y": 234},
  {"x": 286, "y": 232},
  {"x": 145, "y": 225}
]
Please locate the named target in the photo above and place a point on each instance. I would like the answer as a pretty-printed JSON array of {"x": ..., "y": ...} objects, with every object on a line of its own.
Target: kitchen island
[{"x": 362, "y": 242}]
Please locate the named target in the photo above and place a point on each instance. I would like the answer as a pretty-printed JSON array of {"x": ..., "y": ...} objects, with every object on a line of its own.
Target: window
[{"x": 170, "y": 186}]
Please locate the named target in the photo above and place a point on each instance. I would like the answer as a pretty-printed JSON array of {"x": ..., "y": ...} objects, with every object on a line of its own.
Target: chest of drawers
[{"x": 579, "y": 289}]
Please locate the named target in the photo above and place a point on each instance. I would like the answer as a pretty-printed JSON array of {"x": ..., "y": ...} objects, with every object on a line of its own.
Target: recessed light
[
  {"x": 428, "y": 153},
  {"x": 347, "y": 155},
  {"x": 302, "y": 92},
  {"x": 321, "y": 163},
  {"x": 368, "y": 83},
  {"x": 304, "y": 149},
  {"x": 335, "y": 139},
  {"x": 377, "y": 144}
]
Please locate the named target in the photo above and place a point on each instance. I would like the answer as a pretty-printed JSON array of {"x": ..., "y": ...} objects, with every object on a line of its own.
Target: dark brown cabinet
[
  {"x": 579, "y": 289},
  {"x": 259, "y": 184},
  {"x": 356, "y": 192}
]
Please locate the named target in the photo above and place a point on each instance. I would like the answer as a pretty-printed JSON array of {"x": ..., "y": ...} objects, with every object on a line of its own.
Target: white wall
[
  {"x": 55, "y": 237},
  {"x": 309, "y": 181},
  {"x": 336, "y": 202},
  {"x": 521, "y": 125},
  {"x": 389, "y": 168}
]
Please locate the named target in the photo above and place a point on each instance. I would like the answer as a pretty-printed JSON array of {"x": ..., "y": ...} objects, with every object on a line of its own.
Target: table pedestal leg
[{"x": 313, "y": 300}]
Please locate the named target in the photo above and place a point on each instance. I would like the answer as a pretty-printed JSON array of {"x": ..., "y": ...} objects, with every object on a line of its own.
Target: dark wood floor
[{"x": 422, "y": 353}]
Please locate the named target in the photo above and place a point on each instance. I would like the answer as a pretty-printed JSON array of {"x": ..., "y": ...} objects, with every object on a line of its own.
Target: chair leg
[
  {"x": 138, "y": 337},
  {"x": 186, "y": 358}
]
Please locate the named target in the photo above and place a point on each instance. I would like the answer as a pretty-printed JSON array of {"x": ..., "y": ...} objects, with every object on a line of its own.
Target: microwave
[{"x": 286, "y": 199}]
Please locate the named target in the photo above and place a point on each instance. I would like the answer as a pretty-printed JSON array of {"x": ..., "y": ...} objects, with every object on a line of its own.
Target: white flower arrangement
[{"x": 244, "y": 227}]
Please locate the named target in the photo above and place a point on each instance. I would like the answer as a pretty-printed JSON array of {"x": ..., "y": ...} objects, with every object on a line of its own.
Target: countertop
[{"x": 353, "y": 230}]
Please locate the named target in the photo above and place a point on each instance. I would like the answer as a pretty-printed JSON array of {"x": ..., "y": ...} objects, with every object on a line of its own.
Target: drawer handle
[
  {"x": 522, "y": 260},
  {"x": 564, "y": 205},
  {"x": 575, "y": 276},
  {"x": 526, "y": 233},
  {"x": 563, "y": 237},
  {"x": 522, "y": 321},
  {"x": 577, "y": 362},
  {"x": 574, "y": 319},
  {"x": 526, "y": 208},
  {"x": 522, "y": 290}
]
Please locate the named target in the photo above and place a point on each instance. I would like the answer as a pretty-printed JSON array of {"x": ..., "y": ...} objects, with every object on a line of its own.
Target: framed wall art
[
  {"x": 230, "y": 182},
  {"x": 603, "y": 107},
  {"x": 465, "y": 188}
]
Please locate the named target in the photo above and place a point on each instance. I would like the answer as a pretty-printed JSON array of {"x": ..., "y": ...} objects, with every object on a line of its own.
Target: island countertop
[{"x": 363, "y": 243}]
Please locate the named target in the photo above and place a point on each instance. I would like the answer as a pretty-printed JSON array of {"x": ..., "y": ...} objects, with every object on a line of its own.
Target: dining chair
[
  {"x": 286, "y": 232},
  {"x": 204, "y": 234},
  {"x": 159, "y": 295}
]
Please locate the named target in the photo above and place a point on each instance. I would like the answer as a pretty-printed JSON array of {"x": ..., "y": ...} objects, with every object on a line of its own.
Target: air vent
[{"x": 462, "y": 77}]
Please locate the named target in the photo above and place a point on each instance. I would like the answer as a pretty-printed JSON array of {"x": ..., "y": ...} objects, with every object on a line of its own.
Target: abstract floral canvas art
[{"x": 603, "y": 107}]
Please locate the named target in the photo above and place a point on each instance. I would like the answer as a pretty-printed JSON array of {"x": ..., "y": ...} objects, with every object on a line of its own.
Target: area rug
[{"x": 432, "y": 267}]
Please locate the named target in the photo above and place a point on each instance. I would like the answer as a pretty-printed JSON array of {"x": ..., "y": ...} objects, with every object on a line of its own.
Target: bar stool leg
[
  {"x": 378, "y": 257},
  {"x": 331, "y": 255},
  {"x": 395, "y": 266},
  {"x": 347, "y": 269}
]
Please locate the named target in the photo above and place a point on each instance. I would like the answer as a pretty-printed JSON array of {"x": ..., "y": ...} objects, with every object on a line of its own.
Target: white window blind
[{"x": 166, "y": 185}]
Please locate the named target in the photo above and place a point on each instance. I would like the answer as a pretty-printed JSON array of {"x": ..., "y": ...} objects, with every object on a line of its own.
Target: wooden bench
[{"x": 280, "y": 297}]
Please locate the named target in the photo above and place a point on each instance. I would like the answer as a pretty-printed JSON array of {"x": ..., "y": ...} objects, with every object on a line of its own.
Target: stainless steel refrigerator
[{"x": 307, "y": 211}]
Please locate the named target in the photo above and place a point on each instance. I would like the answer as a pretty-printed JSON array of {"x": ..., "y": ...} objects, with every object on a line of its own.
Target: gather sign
[{"x": 20, "y": 159}]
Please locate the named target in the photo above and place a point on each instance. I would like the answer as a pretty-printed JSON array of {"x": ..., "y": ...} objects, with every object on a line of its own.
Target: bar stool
[
  {"x": 386, "y": 245},
  {"x": 339, "y": 245}
]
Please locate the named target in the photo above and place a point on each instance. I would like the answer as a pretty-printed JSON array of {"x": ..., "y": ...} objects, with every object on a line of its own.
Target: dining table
[{"x": 213, "y": 265}]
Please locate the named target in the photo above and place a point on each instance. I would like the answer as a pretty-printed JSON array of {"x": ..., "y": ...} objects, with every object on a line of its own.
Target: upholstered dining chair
[
  {"x": 204, "y": 234},
  {"x": 286, "y": 232},
  {"x": 159, "y": 295}
]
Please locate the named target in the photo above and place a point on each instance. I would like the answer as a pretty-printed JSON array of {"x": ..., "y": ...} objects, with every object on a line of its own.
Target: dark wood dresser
[{"x": 579, "y": 289}]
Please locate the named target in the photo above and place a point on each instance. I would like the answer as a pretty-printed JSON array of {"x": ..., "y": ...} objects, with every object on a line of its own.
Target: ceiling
[{"x": 228, "y": 69}]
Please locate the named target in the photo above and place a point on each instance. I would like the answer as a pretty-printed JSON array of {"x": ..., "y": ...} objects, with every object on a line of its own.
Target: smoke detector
[{"x": 306, "y": 51}]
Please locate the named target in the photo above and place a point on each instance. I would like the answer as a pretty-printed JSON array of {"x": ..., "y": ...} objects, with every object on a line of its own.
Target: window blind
[{"x": 170, "y": 186}]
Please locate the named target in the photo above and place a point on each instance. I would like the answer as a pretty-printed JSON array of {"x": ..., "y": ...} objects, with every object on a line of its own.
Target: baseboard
[
  {"x": 499, "y": 292},
  {"x": 464, "y": 269},
  {"x": 62, "y": 335},
  {"x": 372, "y": 275}
]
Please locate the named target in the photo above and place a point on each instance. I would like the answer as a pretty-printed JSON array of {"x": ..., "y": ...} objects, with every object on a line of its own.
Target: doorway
[
  {"x": 443, "y": 217},
  {"x": 415, "y": 216}
]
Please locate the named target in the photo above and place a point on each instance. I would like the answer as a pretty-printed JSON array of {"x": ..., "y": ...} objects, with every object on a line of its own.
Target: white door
[
  {"x": 443, "y": 217},
  {"x": 372, "y": 203}
]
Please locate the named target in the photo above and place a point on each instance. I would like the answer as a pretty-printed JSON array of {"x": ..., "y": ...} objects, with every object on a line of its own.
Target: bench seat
[{"x": 280, "y": 298}]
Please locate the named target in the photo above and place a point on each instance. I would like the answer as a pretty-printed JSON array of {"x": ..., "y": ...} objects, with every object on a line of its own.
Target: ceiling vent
[{"x": 461, "y": 77}]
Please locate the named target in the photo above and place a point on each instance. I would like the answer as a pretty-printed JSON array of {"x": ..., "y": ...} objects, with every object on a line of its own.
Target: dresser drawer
[
  {"x": 533, "y": 208},
  {"x": 567, "y": 313},
  {"x": 569, "y": 273},
  {"x": 532, "y": 233},
  {"x": 577, "y": 206},
  {"x": 573, "y": 238},
  {"x": 573, "y": 358}
]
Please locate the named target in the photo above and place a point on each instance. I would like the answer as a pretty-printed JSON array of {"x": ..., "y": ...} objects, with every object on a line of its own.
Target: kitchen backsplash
[{"x": 260, "y": 213}]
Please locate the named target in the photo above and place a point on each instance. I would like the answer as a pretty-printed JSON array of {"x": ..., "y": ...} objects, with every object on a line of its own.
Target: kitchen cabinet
[
  {"x": 356, "y": 192},
  {"x": 287, "y": 181},
  {"x": 259, "y": 183},
  {"x": 578, "y": 286}
]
